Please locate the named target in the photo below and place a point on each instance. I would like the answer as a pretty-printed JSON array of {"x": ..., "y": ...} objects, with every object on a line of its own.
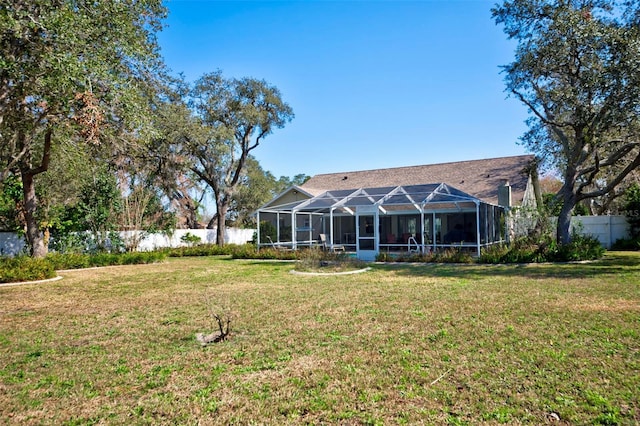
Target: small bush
[
  {"x": 626, "y": 244},
  {"x": 190, "y": 239},
  {"x": 320, "y": 260},
  {"x": 453, "y": 255},
  {"x": 24, "y": 268},
  {"x": 581, "y": 247},
  {"x": 494, "y": 253}
]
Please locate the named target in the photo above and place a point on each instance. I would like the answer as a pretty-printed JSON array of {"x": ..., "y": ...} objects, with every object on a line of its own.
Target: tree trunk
[
  {"x": 35, "y": 237},
  {"x": 190, "y": 212},
  {"x": 221, "y": 222},
  {"x": 192, "y": 220},
  {"x": 563, "y": 228},
  {"x": 212, "y": 223},
  {"x": 564, "y": 225}
]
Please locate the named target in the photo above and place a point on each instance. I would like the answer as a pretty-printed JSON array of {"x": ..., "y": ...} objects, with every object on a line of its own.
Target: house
[{"x": 417, "y": 208}]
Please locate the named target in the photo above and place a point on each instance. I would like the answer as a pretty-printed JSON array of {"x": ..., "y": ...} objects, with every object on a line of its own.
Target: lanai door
[{"x": 367, "y": 233}]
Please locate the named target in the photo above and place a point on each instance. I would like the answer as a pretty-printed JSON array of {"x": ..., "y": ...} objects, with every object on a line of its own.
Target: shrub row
[
  {"x": 24, "y": 268},
  {"x": 446, "y": 256},
  {"x": 77, "y": 261},
  {"x": 245, "y": 251},
  {"x": 527, "y": 250},
  {"x": 201, "y": 250},
  {"x": 628, "y": 244}
]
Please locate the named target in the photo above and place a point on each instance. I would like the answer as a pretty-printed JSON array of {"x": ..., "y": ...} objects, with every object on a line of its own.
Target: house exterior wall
[{"x": 290, "y": 196}]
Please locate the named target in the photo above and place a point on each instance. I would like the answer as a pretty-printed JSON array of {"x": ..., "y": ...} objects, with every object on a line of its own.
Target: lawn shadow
[{"x": 612, "y": 264}]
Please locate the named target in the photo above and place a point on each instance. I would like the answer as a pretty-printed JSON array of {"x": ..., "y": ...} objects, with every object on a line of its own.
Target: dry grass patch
[{"x": 434, "y": 344}]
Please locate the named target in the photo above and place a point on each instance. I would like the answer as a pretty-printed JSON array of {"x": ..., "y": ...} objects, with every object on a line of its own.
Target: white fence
[
  {"x": 607, "y": 229},
  {"x": 12, "y": 243}
]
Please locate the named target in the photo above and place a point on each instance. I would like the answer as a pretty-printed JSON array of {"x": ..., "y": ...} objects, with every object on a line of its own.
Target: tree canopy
[
  {"x": 234, "y": 117},
  {"x": 75, "y": 72},
  {"x": 577, "y": 69}
]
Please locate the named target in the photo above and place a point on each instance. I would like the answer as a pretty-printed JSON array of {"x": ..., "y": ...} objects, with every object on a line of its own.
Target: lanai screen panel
[
  {"x": 428, "y": 196},
  {"x": 366, "y": 196},
  {"x": 408, "y": 195},
  {"x": 324, "y": 201}
]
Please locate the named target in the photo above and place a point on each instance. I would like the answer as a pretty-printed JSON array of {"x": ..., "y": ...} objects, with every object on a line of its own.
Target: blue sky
[{"x": 373, "y": 84}]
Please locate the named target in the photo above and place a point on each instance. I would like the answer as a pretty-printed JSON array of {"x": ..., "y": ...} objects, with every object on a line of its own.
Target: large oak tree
[
  {"x": 234, "y": 116},
  {"x": 73, "y": 71},
  {"x": 577, "y": 69}
]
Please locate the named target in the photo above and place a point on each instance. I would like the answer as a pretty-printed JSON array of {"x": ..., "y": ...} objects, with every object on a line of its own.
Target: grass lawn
[{"x": 431, "y": 344}]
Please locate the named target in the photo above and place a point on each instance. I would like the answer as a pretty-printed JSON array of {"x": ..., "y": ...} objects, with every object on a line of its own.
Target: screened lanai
[{"x": 367, "y": 221}]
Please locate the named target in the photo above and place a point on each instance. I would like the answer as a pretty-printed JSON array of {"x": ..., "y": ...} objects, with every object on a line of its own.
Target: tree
[
  {"x": 234, "y": 115},
  {"x": 577, "y": 69},
  {"x": 142, "y": 213},
  {"x": 10, "y": 196},
  {"x": 164, "y": 162},
  {"x": 99, "y": 207},
  {"x": 612, "y": 202},
  {"x": 631, "y": 208},
  {"x": 257, "y": 186},
  {"x": 285, "y": 182},
  {"x": 71, "y": 70}
]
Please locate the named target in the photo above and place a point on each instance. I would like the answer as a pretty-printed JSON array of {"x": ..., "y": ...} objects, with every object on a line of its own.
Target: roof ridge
[{"x": 426, "y": 165}]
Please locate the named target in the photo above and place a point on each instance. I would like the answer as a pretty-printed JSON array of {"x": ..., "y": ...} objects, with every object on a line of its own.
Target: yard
[{"x": 432, "y": 344}]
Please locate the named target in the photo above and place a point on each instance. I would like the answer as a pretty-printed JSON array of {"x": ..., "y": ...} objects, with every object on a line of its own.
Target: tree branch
[
  {"x": 612, "y": 184},
  {"x": 46, "y": 156}
]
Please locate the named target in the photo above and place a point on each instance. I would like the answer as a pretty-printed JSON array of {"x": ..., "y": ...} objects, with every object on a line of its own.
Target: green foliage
[
  {"x": 626, "y": 244},
  {"x": 267, "y": 229},
  {"x": 89, "y": 225},
  {"x": 545, "y": 249},
  {"x": 256, "y": 188},
  {"x": 249, "y": 251},
  {"x": 190, "y": 239},
  {"x": 201, "y": 250},
  {"x": 86, "y": 242},
  {"x": 631, "y": 209},
  {"x": 100, "y": 203},
  {"x": 317, "y": 260},
  {"x": 10, "y": 196},
  {"x": 575, "y": 69},
  {"x": 451, "y": 255},
  {"x": 61, "y": 261},
  {"x": 581, "y": 247},
  {"x": 234, "y": 116},
  {"x": 24, "y": 268},
  {"x": 56, "y": 95},
  {"x": 78, "y": 260},
  {"x": 553, "y": 205},
  {"x": 143, "y": 210}
]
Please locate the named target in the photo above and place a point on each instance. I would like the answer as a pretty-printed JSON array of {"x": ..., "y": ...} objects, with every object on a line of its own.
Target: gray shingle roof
[{"x": 480, "y": 178}]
